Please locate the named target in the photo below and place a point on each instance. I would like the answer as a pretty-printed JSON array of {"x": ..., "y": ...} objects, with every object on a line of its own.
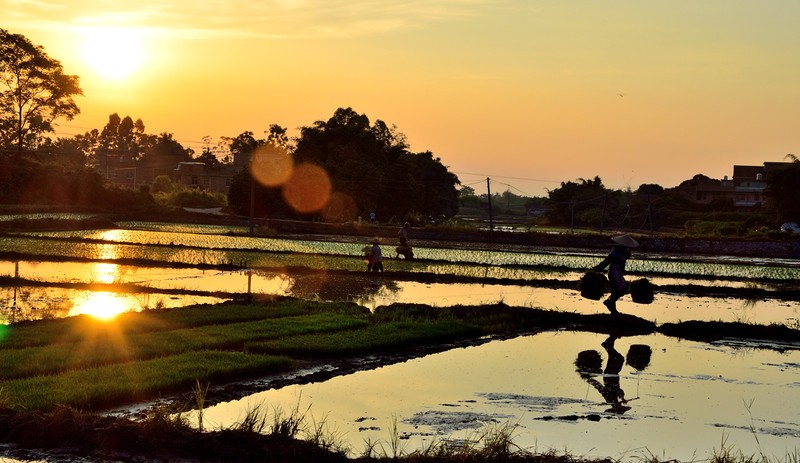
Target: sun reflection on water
[
  {"x": 105, "y": 273},
  {"x": 103, "y": 305}
]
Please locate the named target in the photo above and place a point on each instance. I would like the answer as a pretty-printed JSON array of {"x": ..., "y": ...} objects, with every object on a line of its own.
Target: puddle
[{"x": 681, "y": 400}]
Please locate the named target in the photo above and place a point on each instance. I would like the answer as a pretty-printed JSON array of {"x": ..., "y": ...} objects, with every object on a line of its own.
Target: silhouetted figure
[
  {"x": 403, "y": 234},
  {"x": 404, "y": 249},
  {"x": 375, "y": 257},
  {"x": 589, "y": 364},
  {"x": 615, "y": 261}
]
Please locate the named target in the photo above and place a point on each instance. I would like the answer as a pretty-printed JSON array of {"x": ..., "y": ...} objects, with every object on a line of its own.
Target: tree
[
  {"x": 277, "y": 136},
  {"x": 782, "y": 192},
  {"x": 125, "y": 134},
  {"x": 577, "y": 203},
  {"x": 371, "y": 164},
  {"x": 167, "y": 152},
  {"x": 36, "y": 92}
]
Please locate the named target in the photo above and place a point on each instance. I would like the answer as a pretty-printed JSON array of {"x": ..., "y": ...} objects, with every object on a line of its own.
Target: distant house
[
  {"x": 750, "y": 182},
  {"x": 199, "y": 175},
  {"x": 122, "y": 169},
  {"x": 745, "y": 189},
  {"x": 703, "y": 190}
]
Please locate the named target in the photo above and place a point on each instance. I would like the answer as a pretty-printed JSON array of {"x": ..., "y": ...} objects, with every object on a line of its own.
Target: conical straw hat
[{"x": 626, "y": 240}]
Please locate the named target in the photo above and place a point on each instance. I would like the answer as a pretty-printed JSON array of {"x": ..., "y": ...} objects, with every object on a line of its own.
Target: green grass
[
  {"x": 109, "y": 349},
  {"x": 376, "y": 337},
  {"x": 93, "y": 388},
  {"x": 82, "y": 327}
]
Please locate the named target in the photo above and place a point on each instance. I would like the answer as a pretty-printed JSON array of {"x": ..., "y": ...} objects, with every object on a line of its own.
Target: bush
[{"x": 189, "y": 197}]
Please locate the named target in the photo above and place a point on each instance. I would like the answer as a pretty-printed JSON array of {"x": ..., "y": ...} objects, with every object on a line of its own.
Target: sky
[{"x": 526, "y": 93}]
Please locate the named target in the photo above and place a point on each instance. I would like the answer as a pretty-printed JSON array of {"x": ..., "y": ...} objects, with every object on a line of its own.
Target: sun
[
  {"x": 103, "y": 306},
  {"x": 113, "y": 52}
]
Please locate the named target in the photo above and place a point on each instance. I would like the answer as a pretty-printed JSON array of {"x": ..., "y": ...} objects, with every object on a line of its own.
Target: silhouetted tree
[
  {"x": 584, "y": 203},
  {"x": 167, "y": 152},
  {"x": 371, "y": 164},
  {"x": 782, "y": 192},
  {"x": 125, "y": 134},
  {"x": 35, "y": 92}
]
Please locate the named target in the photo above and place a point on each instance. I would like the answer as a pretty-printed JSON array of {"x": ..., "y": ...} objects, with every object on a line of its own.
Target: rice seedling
[
  {"x": 320, "y": 434},
  {"x": 92, "y": 388},
  {"x": 80, "y": 328},
  {"x": 254, "y": 420},
  {"x": 367, "y": 339},
  {"x": 288, "y": 424},
  {"x": 200, "y": 391},
  {"x": 108, "y": 348},
  {"x": 396, "y": 447}
]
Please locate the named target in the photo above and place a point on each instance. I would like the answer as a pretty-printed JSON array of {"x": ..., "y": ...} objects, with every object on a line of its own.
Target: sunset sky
[{"x": 527, "y": 92}]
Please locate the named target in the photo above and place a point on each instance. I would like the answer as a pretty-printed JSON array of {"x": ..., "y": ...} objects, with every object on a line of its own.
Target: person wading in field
[
  {"x": 375, "y": 257},
  {"x": 615, "y": 261}
]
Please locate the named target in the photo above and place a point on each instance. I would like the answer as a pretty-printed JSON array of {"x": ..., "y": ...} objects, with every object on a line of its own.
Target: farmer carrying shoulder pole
[
  {"x": 615, "y": 261},
  {"x": 404, "y": 249}
]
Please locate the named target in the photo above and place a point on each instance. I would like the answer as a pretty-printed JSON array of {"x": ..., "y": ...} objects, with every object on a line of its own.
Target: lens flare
[
  {"x": 340, "y": 208},
  {"x": 271, "y": 165},
  {"x": 308, "y": 189}
]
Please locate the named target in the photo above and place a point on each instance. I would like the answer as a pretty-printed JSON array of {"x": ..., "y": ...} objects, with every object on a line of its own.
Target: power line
[{"x": 511, "y": 178}]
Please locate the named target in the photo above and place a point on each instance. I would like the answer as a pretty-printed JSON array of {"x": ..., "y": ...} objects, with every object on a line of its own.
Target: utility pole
[
  {"x": 489, "y": 194},
  {"x": 572, "y": 217},
  {"x": 252, "y": 201}
]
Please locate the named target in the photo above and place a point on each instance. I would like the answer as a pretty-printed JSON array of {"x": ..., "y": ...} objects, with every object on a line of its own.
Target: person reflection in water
[{"x": 589, "y": 362}]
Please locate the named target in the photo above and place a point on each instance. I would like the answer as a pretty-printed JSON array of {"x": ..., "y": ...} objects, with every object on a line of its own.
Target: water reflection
[
  {"x": 368, "y": 290},
  {"x": 335, "y": 287},
  {"x": 102, "y": 305},
  {"x": 686, "y": 399},
  {"x": 588, "y": 365},
  {"x": 35, "y": 303}
]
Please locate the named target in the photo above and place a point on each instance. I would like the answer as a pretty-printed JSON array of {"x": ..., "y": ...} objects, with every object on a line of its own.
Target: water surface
[{"x": 681, "y": 401}]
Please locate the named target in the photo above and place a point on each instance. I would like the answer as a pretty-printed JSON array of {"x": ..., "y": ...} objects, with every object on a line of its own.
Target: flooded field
[
  {"x": 685, "y": 400},
  {"x": 167, "y": 265},
  {"x": 675, "y": 399}
]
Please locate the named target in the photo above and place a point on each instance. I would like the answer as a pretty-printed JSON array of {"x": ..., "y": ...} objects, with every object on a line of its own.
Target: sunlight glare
[
  {"x": 103, "y": 306},
  {"x": 113, "y": 52},
  {"x": 105, "y": 273}
]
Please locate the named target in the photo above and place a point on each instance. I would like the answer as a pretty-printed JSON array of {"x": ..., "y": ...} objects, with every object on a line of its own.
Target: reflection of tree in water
[
  {"x": 19, "y": 303},
  {"x": 337, "y": 287},
  {"x": 589, "y": 364}
]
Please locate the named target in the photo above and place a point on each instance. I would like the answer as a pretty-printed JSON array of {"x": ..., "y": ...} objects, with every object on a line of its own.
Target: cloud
[{"x": 256, "y": 18}]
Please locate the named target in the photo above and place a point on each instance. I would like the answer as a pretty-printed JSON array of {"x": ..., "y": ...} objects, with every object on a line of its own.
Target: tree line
[
  {"x": 588, "y": 203},
  {"x": 368, "y": 166}
]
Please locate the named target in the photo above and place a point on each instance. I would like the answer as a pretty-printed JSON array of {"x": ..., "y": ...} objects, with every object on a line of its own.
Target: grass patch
[
  {"x": 376, "y": 337},
  {"x": 93, "y": 388},
  {"x": 110, "y": 348},
  {"x": 79, "y": 328}
]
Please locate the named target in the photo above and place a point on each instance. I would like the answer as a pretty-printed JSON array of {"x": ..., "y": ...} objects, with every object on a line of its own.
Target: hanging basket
[
  {"x": 642, "y": 291},
  {"x": 593, "y": 285}
]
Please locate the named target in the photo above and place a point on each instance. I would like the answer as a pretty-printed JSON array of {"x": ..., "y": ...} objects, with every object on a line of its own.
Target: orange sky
[{"x": 527, "y": 92}]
